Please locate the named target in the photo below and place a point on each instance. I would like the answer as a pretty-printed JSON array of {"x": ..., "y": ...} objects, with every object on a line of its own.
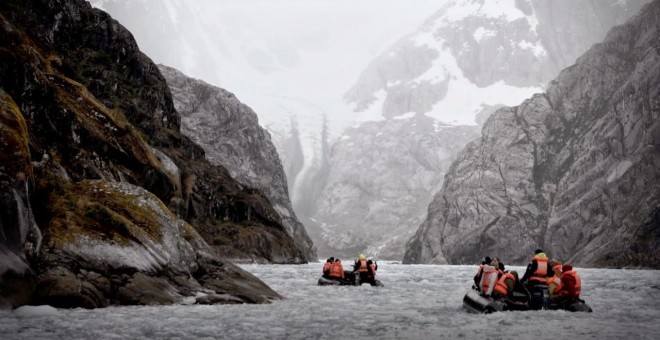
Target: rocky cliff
[
  {"x": 574, "y": 170},
  {"x": 469, "y": 59},
  {"x": 94, "y": 162},
  {"x": 381, "y": 179},
  {"x": 230, "y": 135}
]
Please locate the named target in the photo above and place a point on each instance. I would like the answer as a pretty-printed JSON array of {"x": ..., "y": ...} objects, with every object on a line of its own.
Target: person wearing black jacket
[{"x": 538, "y": 270}]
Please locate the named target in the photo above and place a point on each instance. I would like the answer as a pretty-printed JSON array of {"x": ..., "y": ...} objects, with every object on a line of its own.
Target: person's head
[
  {"x": 500, "y": 265},
  {"x": 538, "y": 251},
  {"x": 361, "y": 256},
  {"x": 557, "y": 269},
  {"x": 486, "y": 260},
  {"x": 338, "y": 260},
  {"x": 331, "y": 259},
  {"x": 566, "y": 267},
  {"x": 495, "y": 262}
]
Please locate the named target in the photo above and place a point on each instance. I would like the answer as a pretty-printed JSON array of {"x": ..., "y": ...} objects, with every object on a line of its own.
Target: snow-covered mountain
[
  {"x": 574, "y": 170},
  {"x": 468, "y": 59}
]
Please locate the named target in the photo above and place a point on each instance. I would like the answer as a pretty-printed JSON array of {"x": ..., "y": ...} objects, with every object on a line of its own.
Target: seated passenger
[
  {"x": 505, "y": 285},
  {"x": 372, "y": 267},
  {"x": 327, "y": 265},
  {"x": 571, "y": 284},
  {"x": 337, "y": 270},
  {"x": 555, "y": 285},
  {"x": 480, "y": 271},
  {"x": 489, "y": 278}
]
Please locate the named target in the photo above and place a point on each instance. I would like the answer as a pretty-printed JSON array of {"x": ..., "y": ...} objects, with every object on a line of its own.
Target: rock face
[
  {"x": 230, "y": 135},
  {"x": 469, "y": 59},
  {"x": 91, "y": 147},
  {"x": 380, "y": 180},
  {"x": 574, "y": 170}
]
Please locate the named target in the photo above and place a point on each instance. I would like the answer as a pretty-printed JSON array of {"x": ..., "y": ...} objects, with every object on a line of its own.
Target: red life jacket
[
  {"x": 501, "y": 286},
  {"x": 326, "y": 266},
  {"x": 578, "y": 283},
  {"x": 541, "y": 272},
  {"x": 337, "y": 270},
  {"x": 372, "y": 267},
  {"x": 363, "y": 266}
]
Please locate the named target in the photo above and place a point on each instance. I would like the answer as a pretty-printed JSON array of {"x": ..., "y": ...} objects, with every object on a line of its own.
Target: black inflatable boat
[
  {"x": 475, "y": 302},
  {"x": 350, "y": 279}
]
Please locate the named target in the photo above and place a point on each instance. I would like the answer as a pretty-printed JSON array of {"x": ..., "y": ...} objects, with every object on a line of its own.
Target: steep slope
[
  {"x": 469, "y": 59},
  {"x": 574, "y": 171},
  {"x": 93, "y": 156},
  {"x": 380, "y": 181},
  {"x": 230, "y": 135}
]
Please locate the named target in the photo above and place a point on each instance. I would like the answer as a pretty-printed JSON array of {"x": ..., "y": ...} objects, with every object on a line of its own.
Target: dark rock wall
[{"x": 82, "y": 103}]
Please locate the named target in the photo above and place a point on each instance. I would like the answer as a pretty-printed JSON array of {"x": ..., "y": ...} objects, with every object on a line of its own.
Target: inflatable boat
[
  {"x": 350, "y": 279},
  {"x": 475, "y": 302}
]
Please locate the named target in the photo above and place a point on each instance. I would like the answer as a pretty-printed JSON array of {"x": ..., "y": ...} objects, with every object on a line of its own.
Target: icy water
[{"x": 417, "y": 302}]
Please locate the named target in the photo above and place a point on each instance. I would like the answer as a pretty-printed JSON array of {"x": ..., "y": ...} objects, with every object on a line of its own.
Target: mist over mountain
[
  {"x": 230, "y": 135},
  {"x": 449, "y": 64},
  {"x": 466, "y": 61},
  {"x": 573, "y": 170}
]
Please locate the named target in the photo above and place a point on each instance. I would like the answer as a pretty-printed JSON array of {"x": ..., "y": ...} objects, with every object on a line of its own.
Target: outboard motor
[{"x": 540, "y": 296}]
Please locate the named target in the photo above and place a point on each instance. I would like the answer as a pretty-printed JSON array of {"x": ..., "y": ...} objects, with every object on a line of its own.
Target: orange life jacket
[
  {"x": 326, "y": 266},
  {"x": 363, "y": 266},
  {"x": 337, "y": 270},
  {"x": 541, "y": 272},
  {"x": 501, "y": 286},
  {"x": 489, "y": 277},
  {"x": 578, "y": 282},
  {"x": 555, "y": 280}
]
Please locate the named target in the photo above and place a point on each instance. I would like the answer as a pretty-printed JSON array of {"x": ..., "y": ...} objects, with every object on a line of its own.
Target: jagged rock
[
  {"x": 101, "y": 136},
  {"x": 574, "y": 170},
  {"x": 230, "y": 134}
]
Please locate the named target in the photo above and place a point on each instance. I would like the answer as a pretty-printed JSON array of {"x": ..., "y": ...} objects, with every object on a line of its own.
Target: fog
[{"x": 282, "y": 58}]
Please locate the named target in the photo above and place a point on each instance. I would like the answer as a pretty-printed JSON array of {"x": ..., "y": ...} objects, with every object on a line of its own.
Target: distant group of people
[
  {"x": 365, "y": 268},
  {"x": 564, "y": 283}
]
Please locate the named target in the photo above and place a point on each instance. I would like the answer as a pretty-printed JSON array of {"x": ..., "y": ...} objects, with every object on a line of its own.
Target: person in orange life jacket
[
  {"x": 537, "y": 270},
  {"x": 554, "y": 283},
  {"x": 571, "y": 284},
  {"x": 327, "y": 265},
  {"x": 362, "y": 268},
  {"x": 480, "y": 271},
  {"x": 506, "y": 284},
  {"x": 337, "y": 270},
  {"x": 489, "y": 277}
]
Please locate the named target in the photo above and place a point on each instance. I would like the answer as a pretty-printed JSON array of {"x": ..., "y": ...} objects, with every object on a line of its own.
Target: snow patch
[{"x": 481, "y": 32}]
